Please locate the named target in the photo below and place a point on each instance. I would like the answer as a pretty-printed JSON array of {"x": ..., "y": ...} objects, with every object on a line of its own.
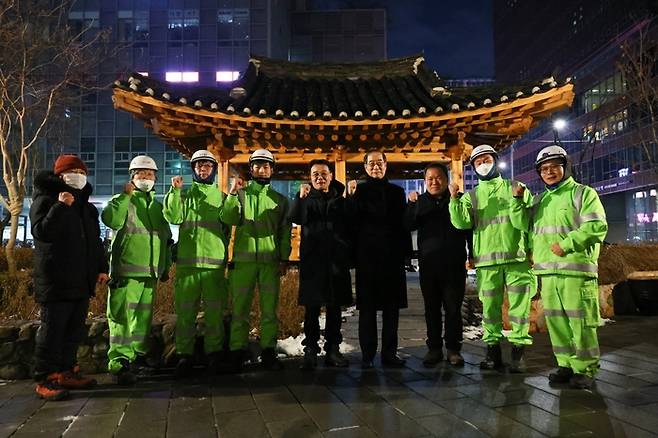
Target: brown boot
[
  {"x": 455, "y": 359},
  {"x": 50, "y": 390},
  {"x": 73, "y": 379}
]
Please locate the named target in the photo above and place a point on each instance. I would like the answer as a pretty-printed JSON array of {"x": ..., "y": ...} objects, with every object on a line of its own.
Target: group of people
[{"x": 511, "y": 238}]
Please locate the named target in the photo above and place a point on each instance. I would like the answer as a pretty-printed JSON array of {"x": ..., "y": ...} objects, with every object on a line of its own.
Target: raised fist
[
  {"x": 236, "y": 184},
  {"x": 177, "y": 182},
  {"x": 517, "y": 189},
  {"x": 413, "y": 196},
  {"x": 129, "y": 188},
  {"x": 351, "y": 187},
  {"x": 454, "y": 190},
  {"x": 66, "y": 198},
  {"x": 304, "y": 190}
]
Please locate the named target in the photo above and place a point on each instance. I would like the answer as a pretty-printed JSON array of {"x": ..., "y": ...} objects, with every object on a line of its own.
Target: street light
[{"x": 558, "y": 125}]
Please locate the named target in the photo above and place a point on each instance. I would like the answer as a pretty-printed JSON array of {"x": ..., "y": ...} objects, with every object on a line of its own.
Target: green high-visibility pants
[
  {"x": 243, "y": 278},
  {"x": 519, "y": 282},
  {"x": 193, "y": 286},
  {"x": 129, "y": 315},
  {"x": 571, "y": 308}
]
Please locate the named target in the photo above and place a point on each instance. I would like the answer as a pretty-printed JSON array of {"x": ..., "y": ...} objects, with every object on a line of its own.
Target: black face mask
[{"x": 262, "y": 181}]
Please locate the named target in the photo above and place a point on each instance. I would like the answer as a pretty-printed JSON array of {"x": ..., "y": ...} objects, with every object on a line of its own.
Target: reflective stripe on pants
[
  {"x": 242, "y": 280},
  {"x": 129, "y": 316},
  {"x": 194, "y": 286},
  {"x": 571, "y": 308},
  {"x": 491, "y": 283}
]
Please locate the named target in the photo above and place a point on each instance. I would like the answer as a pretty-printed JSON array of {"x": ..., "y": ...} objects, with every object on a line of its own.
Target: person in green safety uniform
[
  {"x": 567, "y": 224},
  {"x": 140, "y": 256},
  {"x": 260, "y": 255},
  {"x": 200, "y": 262},
  {"x": 500, "y": 256}
]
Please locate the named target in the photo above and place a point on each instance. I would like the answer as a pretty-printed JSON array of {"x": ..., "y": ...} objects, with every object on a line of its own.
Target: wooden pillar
[
  {"x": 457, "y": 170},
  {"x": 223, "y": 173},
  {"x": 340, "y": 171}
]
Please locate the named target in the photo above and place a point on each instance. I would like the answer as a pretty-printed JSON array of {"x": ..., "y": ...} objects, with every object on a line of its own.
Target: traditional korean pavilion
[{"x": 302, "y": 112}]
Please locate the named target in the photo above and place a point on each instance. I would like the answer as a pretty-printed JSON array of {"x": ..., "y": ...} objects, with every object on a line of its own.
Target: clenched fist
[
  {"x": 66, "y": 198},
  {"x": 304, "y": 190},
  {"x": 351, "y": 187},
  {"x": 129, "y": 188},
  {"x": 413, "y": 196},
  {"x": 517, "y": 189},
  {"x": 236, "y": 184},
  {"x": 454, "y": 190},
  {"x": 177, "y": 182}
]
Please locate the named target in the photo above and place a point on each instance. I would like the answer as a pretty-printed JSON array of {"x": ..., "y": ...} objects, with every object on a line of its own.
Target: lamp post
[{"x": 558, "y": 125}]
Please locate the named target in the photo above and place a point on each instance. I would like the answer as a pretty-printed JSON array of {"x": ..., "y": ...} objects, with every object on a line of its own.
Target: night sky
[{"x": 455, "y": 36}]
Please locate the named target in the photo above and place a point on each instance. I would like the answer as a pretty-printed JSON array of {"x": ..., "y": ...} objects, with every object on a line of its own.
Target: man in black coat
[
  {"x": 442, "y": 261},
  {"x": 382, "y": 245},
  {"x": 324, "y": 270},
  {"x": 68, "y": 262}
]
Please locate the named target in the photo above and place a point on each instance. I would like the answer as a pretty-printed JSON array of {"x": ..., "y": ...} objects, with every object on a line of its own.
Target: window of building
[
  {"x": 182, "y": 76},
  {"x": 232, "y": 24},
  {"x": 227, "y": 76}
]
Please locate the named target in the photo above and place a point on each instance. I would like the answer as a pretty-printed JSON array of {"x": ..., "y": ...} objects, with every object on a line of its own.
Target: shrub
[{"x": 16, "y": 296}]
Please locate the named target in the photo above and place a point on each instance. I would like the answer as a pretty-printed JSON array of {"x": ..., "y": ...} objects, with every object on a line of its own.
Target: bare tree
[
  {"x": 44, "y": 65},
  {"x": 639, "y": 64}
]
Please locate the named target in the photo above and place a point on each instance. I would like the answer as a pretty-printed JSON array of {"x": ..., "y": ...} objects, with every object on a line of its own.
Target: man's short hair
[
  {"x": 320, "y": 161},
  {"x": 436, "y": 165},
  {"x": 373, "y": 151}
]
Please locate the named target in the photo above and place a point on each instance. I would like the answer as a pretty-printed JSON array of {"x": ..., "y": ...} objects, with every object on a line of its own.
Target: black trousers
[
  {"x": 368, "y": 332},
  {"x": 332, "y": 335},
  {"x": 61, "y": 331},
  {"x": 443, "y": 289}
]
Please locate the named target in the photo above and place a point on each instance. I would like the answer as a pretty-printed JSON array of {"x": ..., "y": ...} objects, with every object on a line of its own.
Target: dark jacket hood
[{"x": 49, "y": 184}]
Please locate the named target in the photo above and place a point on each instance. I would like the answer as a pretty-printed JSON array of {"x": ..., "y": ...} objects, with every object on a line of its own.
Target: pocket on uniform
[{"x": 589, "y": 293}]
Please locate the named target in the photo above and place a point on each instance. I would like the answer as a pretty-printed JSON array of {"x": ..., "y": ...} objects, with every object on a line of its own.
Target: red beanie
[{"x": 68, "y": 162}]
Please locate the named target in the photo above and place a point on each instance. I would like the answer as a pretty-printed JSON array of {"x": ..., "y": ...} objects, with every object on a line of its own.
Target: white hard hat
[
  {"x": 482, "y": 150},
  {"x": 143, "y": 162},
  {"x": 261, "y": 155},
  {"x": 549, "y": 153},
  {"x": 203, "y": 155}
]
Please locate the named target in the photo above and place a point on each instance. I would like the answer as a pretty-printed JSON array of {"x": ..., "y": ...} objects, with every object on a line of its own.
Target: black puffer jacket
[
  {"x": 324, "y": 277},
  {"x": 68, "y": 252}
]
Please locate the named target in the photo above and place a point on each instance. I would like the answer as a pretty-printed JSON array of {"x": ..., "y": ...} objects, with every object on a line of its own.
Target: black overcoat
[
  {"x": 68, "y": 252},
  {"x": 382, "y": 244},
  {"x": 324, "y": 266}
]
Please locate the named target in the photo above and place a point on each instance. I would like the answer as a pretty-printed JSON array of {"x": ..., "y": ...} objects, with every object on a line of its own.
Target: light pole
[{"x": 558, "y": 125}]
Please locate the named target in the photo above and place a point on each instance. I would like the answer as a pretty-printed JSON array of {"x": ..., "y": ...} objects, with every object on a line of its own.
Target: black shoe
[
  {"x": 334, "y": 358},
  {"x": 270, "y": 361},
  {"x": 455, "y": 358},
  {"x": 518, "y": 364},
  {"x": 213, "y": 362},
  {"x": 310, "y": 361},
  {"x": 432, "y": 357},
  {"x": 183, "y": 367},
  {"x": 562, "y": 375},
  {"x": 494, "y": 358},
  {"x": 141, "y": 366},
  {"x": 581, "y": 381},
  {"x": 125, "y": 376},
  {"x": 367, "y": 364},
  {"x": 393, "y": 361}
]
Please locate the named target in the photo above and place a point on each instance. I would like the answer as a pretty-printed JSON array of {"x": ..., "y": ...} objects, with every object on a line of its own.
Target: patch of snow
[
  {"x": 69, "y": 418},
  {"x": 604, "y": 321},
  {"x": 293, "y": 346},
  {"x": 473, "y": 333}
]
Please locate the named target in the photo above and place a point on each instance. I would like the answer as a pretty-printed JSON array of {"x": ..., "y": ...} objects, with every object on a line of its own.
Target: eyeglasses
[
  {"x": 206, "y": 165},
  {"x": 378, "y": 163},
  {"x": 549, "y": 168},
  {"x": 324, "y": 175}
]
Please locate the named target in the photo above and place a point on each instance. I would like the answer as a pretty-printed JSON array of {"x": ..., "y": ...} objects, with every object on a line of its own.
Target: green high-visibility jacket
[
  {"x": 140, "y": 247},
  {"x": 572, "y": 216},
  {"x": 497, "y": 239},
  {"x": 263, "y": 229},
  {"x": 199, "y": 212}
]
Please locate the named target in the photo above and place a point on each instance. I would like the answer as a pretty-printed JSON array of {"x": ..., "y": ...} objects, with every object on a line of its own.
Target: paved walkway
[{"x": 412, "y": 402}]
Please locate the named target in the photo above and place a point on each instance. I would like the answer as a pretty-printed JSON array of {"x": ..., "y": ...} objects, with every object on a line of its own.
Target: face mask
[
  {"x": 144, "y": 185},
  {"x": 262, "y": 181},
  {"x": 75, "y": 180},
  {"x": 484, "y": 169}
]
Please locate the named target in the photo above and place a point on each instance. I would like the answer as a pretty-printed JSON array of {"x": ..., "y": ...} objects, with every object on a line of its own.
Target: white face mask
[
  {"x": 145, "y": 185},
  {"x": 75, "y": 180},
  {"x": 484, "y": 169}
]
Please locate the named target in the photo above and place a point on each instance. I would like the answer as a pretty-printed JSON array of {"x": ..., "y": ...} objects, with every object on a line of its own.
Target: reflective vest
[
  {"x": 573, "y": 216},
  {"x": 263, "y": 229},
  {"x": 486, "y": 209},
  {"x": 140, "y": 247},
  {"x": 202, "y": 237}
]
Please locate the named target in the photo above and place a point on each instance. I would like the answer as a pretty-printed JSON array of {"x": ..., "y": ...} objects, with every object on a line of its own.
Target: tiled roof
[{"x": 398, "y": 88}]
